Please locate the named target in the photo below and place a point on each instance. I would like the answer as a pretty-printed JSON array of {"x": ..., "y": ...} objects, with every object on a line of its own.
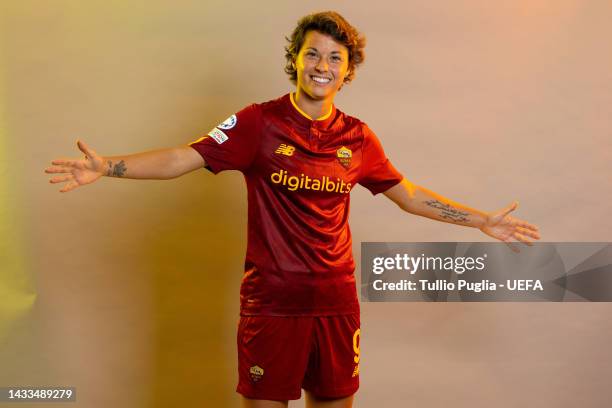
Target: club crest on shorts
[
  {"x": 356, "y": 339},
  {"x": 344, "y": 156},
  {"x": 228, "y": 123},
  {"x": 256, "y": 373}
]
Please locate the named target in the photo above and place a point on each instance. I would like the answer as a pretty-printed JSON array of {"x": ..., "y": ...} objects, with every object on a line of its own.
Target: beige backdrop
[{"x": 137, "y": 282}]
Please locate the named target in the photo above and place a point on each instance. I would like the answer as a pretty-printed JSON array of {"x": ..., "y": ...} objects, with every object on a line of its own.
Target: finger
[
  {"x": 70, "y": 186},
  {"x": 528, "y": 233},
  {"x": 522, "y": 238},
  {"x": 525, "y": 224},
  {"x": 56, "y": 169},
  {"x": 510, "y": 208},
  {"x": 85, "y": 149},
  {"x": 64, "y": 162},
  {"x": 60, "y": 179},
  {"x": 511, "y": 245}
]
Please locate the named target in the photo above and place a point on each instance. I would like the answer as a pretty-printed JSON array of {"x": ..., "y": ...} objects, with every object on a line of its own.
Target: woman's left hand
[{"x": 504, "y": 227}]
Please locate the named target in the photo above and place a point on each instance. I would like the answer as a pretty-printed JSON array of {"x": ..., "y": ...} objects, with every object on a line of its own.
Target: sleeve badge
[{"x": 228, "y": 123}]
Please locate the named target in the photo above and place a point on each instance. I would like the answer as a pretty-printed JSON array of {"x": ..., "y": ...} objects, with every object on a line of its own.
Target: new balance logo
[{"x": 287, "y": 150}]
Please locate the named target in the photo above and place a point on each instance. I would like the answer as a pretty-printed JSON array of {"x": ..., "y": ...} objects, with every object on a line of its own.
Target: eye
[
  {"x": 311, "y": 54},
  {"x": 336, "y": 58}
]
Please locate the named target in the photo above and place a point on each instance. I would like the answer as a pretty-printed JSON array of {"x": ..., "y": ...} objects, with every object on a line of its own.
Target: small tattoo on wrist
[{"x": 118, "y": 170}]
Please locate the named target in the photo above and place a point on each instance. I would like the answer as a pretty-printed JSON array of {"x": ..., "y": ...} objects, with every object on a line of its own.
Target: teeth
[{"x": 320, "y": 80}]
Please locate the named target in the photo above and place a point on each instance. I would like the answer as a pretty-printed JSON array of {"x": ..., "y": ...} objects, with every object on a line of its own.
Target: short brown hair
[{"x": 334, "y": 25}]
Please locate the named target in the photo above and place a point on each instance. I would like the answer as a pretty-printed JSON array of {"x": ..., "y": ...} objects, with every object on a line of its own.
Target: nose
[{"x": 321, "y": 65}]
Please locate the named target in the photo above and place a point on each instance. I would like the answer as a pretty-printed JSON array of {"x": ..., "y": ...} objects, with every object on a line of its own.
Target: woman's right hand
[{"x": 78, "y": 172}]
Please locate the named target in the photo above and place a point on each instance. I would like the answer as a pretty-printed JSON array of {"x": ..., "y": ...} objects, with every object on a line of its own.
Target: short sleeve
[
  {"x": 377, "y": 173},
  {"x": 232, "y": 144}
]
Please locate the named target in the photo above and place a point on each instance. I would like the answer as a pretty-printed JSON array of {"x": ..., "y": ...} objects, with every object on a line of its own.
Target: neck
[{"x": 312, "y": 107}]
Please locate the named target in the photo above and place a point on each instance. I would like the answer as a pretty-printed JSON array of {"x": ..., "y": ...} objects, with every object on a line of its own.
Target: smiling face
[{"x": 322, "y": 65}]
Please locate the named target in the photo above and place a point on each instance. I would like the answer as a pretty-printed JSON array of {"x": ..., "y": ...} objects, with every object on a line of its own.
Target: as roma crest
[
  {"x": 344, "y": 156},
  {"x": 256, "y": 373}
]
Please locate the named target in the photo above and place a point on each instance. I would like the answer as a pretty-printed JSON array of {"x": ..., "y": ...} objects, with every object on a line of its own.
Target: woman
[{"x": 301, "y": 157}]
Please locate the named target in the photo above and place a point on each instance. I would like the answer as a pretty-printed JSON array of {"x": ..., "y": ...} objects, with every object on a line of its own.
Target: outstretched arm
[
  {"x": 159, "y": 164},
  {"x": 498, "y": 224}
]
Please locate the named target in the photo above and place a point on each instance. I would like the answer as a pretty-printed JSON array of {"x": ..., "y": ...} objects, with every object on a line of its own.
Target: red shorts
[{"x": 278, "y": 356}]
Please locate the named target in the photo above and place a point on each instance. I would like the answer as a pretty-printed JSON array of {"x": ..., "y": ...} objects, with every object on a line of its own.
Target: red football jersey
[{"x": 299, "y": 173}]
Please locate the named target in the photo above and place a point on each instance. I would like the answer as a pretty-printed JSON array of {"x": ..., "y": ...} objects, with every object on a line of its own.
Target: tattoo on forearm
[
  {"x": 447, "y": 212},
  {"x": 118, "y": 170}
]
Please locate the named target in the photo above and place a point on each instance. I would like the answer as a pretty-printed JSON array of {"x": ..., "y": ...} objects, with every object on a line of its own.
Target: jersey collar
[{"x": 303, "y": 117}]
